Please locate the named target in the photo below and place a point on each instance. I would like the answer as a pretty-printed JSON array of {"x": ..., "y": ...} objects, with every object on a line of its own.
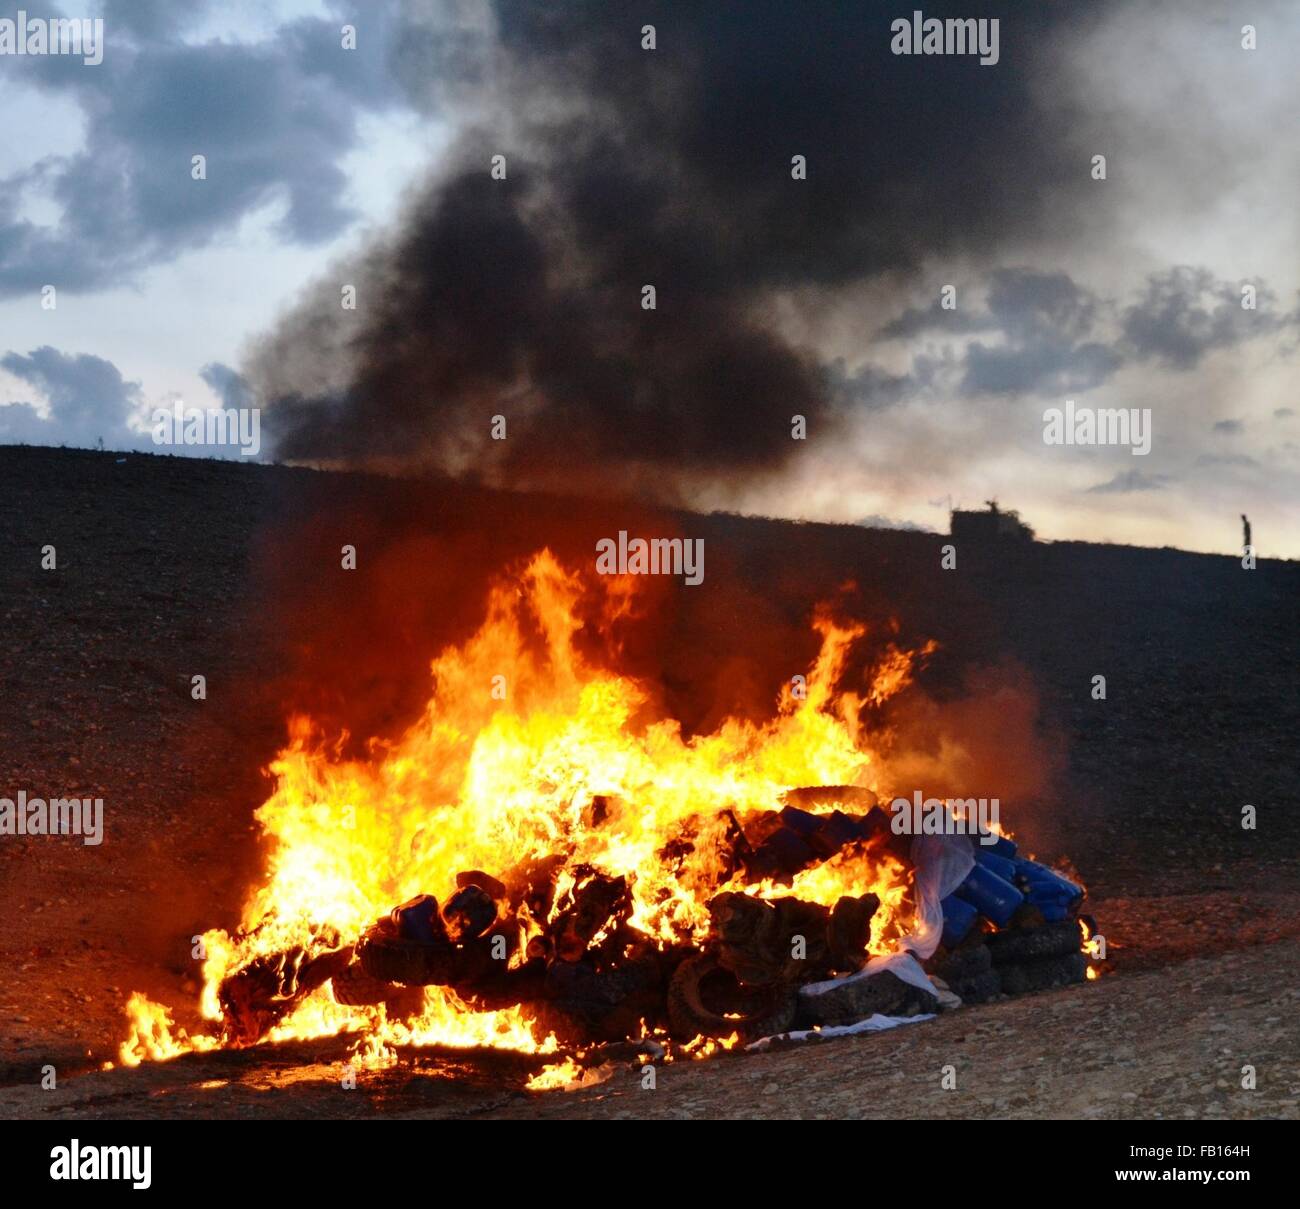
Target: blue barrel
[
  {"x": 1051, "y": 893},
  {"x": 1036, "y": 875},
  {"x": 992, "y": 896},
  {"x": 1053, "y": 906},
  {"x": 1001, "y": 865},
  {"x": 958, "y": 919},
  {"x": 418, "y": 919},
  {"x": 1002, "y": 847}
]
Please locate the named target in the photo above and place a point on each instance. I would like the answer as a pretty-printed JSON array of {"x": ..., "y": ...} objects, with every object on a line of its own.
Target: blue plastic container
[
  {"x": 1040, "y": 876},
  {"x": 417, "y": 919},
  {"x": 1000, "y": 847},
  {"x": 1053, "y": 906},
  {"x": 992, "y": 896},
  {"x": 1047, "y": 890},
  {"x": 958, "y": 919},
  {"x": 1001, "y": 865}
]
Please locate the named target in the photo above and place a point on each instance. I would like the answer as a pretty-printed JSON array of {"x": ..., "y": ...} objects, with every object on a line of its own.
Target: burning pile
[
  {"x": 540, "y": 861},
  {"x": 558, "y": 939}
]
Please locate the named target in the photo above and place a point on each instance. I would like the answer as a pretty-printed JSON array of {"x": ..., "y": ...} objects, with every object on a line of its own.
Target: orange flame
[
  {"x": 1092, "y": 946},
  {"x": 519, "y": 737}
]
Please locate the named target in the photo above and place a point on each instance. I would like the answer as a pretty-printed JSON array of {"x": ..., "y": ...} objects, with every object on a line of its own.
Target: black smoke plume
[{"x": 670, "y": 167}]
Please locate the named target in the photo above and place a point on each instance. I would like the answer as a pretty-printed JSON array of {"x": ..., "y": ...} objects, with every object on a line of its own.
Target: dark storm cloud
[
  {"x": 274, "y": 120},
  {"x": 1020, "y": 302},
  {"x": 1044, "y": 367},
  {"x": 1045, "y": 319},
  {"x": 1131, "y": 480},
  {"x": 87, "y": 396},
  {"x": 1054, "y": 337},
  {"x": 672, "y": 167},
  {"x": 1185, "y": 313},
  {"x": 870, "y": 387},
  {"x": 1025, "y": 303},
  {"x": 227, "y": 384},
  {"x": 1045, "y": 323},
  {"x": 148, "y": 20},
  {"x": 1229, "y": 427}
]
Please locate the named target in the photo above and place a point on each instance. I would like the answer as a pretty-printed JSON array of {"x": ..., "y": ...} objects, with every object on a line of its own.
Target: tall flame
[{"x": 520, "y": 738}]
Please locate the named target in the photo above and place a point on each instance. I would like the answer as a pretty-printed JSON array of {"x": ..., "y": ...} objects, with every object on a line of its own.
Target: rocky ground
[{"x": 170, "y": 568}]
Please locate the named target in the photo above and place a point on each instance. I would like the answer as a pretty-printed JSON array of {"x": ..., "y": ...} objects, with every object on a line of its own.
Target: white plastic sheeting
[
  {"x": 872, "y": 1024},
  {"x": 942, "y": 863}
]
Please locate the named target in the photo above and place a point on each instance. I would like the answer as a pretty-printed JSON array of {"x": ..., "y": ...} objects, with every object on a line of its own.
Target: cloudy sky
[{"x": 627, "y": 166}]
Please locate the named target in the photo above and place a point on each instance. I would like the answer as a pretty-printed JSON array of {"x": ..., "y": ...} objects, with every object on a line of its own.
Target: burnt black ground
[{"x": 171, "y": 567}]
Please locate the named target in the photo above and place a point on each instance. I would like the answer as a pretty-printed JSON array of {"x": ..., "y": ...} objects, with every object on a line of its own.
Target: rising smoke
[{"x": 670, "y": 167}]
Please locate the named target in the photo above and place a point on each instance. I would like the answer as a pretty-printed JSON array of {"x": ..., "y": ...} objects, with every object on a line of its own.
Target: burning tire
[
  {"x": 389, "y": 958},
  {"x": 976, "y": 988},
  {"x": 965, "y": 963},
  {"x": 703, "y": 998},
  {"x": 849, "y": 1000},
  {"x": 1018, "y": 945},
  {"x": 353, "y": 987},
  {"x": 583, "y": 1003},
  {"x": 1044, "y": 974}
]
